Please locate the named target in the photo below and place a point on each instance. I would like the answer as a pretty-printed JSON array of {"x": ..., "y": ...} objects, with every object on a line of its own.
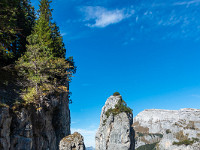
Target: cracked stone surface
[
  {"x": 72, "y": 142},
  {"x": 167, "y": 126},
  {"x": 115, "y": 132}
]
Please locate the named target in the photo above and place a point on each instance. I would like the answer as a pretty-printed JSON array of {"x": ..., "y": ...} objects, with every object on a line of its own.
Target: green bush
[
  {"x": 120, "y": 107},
  {"x": 116, "y": 94},
  {"x": 195, "y": 139},
  {"x": 147, "y": 147},
  {"x": 184, "y": 142},
  {"x": 150, "y": 134},
  {"x": 168, "y": 131}
]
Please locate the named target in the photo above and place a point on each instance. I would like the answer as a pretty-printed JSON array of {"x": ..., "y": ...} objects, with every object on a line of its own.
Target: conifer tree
[
  {"x": 45, "y": 68},
  {"x": 58, "y": 45},
  {"x": 45, "y": 9},
  {"x": 25, "y": 23},
  {"x": 8, "y": 10},
  {"x": 45, "y": 74},
  {"x": 17, "y": 20},
  {"x": 43, "y": 25}
]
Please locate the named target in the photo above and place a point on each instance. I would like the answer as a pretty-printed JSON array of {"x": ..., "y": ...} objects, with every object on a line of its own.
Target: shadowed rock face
[
  {"x": 5, "y": 122},
  {"x": 74, "y": 141},
  {"x": 31, "y": 128},
  {"x": 25, "y": 127},
  {"x": 165, "y": 129},
  {"x": 115, "y": 132}
]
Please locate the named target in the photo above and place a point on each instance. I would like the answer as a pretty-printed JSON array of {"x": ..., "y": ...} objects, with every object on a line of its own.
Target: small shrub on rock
[
  {"x": 168, "y": 131},
  {"x": 148, "y": 147},
  {"x": 184, "y": 142},
  {"x": 116, "y": 94},
  {"x": 120, "y": 107}
]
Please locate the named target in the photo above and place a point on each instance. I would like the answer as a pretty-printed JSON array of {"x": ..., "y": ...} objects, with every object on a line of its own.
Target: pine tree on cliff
[
  {"x": 44, "y": 72},
  {"x": 58, "y": 45},
  {"x": 17, "y": 20},
  {"x": 25, "y": 21},
  {"x": 43, "y": 26},
  {"x": 7, "y": 29},
  {"x": 51, "y": 34}
]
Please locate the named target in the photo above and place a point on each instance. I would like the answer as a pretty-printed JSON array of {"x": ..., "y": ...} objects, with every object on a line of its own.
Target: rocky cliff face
[
  {"x": 115, "y": 132},
  {"x": 168, "y": 129},
  {"x": 31, "y": 128},
  {"x": 74, "y": 141}
]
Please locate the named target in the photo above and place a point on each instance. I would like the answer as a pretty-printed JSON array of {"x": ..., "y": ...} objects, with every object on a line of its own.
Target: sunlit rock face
[
  {"x": 74, "y": 141},
  {"x": 115, "y": 132},
  {"x": 168, "y": 129}
]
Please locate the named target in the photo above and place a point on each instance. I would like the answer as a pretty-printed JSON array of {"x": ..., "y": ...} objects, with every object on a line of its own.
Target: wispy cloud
[
  {"x": 187, "y": 2},
  {"x": 63, "y": 33},
  {"x": 102, "y": 17},
  {"x": 151, "y": 20},
  {"x": 88, "y": 134},
  {"x": 165, "y": 20}
]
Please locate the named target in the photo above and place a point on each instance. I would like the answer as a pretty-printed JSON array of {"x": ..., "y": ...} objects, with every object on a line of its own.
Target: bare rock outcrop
[
  {"x": 38, "y": 126},
  {"x": 168, "y": 129},
  {"x": 27, "y": 127},
  {"x": 115, "y": 131},
  {"x": 74, "y": 141},
  {"x": 5, "y": 122}
]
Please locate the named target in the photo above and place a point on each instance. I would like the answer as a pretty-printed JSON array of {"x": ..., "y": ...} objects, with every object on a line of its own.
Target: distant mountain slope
[{"x": 168, "y": 129}]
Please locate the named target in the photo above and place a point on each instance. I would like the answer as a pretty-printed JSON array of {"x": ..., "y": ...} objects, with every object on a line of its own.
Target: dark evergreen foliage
[
  {"x": 44, "y": 64},
  {"x": 17, "y": 20},
  {"x": 116, "y": 94},
  {"x": 35, "y": 48}
]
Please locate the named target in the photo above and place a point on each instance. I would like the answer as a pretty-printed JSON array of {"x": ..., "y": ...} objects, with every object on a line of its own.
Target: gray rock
[
  {"x": 163, "y": 127},
  {"x": 74, "y": 141},
  {"x": 115, "y": 132},
  {"x": 5, "y": 122},
  {"x": 31, "y": 128}
]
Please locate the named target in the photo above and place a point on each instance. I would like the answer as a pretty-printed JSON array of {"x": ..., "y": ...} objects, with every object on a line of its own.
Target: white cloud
[
  {"x": 88, "y": 134},
  {"x": 102, "y": 17},
  {"x": 187, "y": 2},
  {"x": 63, "y": 33}
]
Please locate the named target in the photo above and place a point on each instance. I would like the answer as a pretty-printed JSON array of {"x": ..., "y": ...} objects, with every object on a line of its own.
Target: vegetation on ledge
[
  {"x": 120, "y": 107},
  {"x": 186, "y": 142},
  {"x": 116, "y": 94},
  {"x": 148, "y": 147},
  {"x": 35, "y": 53}
]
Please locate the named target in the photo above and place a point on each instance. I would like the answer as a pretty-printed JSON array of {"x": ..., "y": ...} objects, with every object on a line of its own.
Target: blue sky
[{"x": 146, "y": 50}]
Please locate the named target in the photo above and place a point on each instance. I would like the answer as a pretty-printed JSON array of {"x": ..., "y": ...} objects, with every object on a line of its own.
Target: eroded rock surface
[
  {"x": 27, "y": 127},
  {"x": 74, "y": 141},
  {"x": 168, "y": 129},
  {"x": 115, "y": 132},
  {"x": 5, "y": 122}
]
